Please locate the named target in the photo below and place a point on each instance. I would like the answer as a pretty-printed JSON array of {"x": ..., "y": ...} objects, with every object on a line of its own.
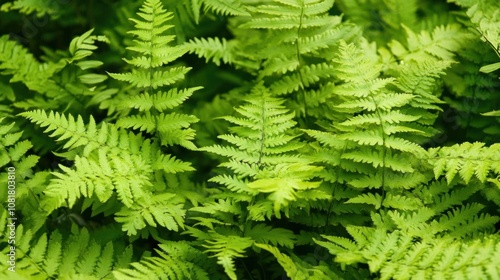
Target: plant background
[{"x": 312, "y": 206}]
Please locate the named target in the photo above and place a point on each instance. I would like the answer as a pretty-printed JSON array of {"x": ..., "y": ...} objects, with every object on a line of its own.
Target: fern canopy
[{"x": 260, "y": 139}]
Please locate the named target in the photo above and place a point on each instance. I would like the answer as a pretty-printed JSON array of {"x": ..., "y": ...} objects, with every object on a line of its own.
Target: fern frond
[
  {"x": 82, "y": 47},
  {"x": 398, "y": 255},
  {"x": 274, "y": 236},
  {"x": 295, "y": 269},
  {"x": 159, "y": 210},
  {"x": 77, "y": 135},
  {"x": 13, "y": 150},
  {"x": 212, "y": 49},
  {"x": 168, "y": 122},
  {"x": 442, "y": 43},
  {"x": 125, "y": 166},
  {"x": 161, "y": 101},
  {"x": 295, "y": 42},
  {"x": 58, "y": 256},
  {"x": 28, "y": 7},
  {"x": 485, "y": 16},
  {"x": 226, "y": 7},
  {"x": 480, "y": 83},
  {"x": 17, "y": 166},
  {"x": 15, "y": 60},
  {"x": 155, "y": 80},
  {"x": 262, "y": 152},
  {"x": 91, "y": 137},
  {"x": 221, "y": 205},
  {"x": 467, "y": 160},
  {"x": 67, "y": 80},
  {"x": 128, "y": 176},
  {"x": 149, "y": 73},
  {"x": 175, "y": 260},
  {"x": 226, "y": 248},
  {"x": 290, "y": 179},
  {"x": 453, "y": 221}
]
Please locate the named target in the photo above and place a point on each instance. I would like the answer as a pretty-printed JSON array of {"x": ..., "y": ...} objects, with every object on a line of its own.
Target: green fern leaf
[
  {"x": 149, "y": 73},
  {"x": 466, "y": 159},
  {"x": 226, "y": 249},
  {"x": 274, "y": 236},
  {"x": 152, "y": 211},
  {"x": 225, "y": 7},
  {"x": 442, "y": 43}
]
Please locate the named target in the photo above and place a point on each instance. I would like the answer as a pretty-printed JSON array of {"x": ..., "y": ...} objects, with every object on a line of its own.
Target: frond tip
[
  {"x": 175, "y": 260},
  {"x": 467, "y": 160},
  {"x": 264, "y": 152},
  {"x": 151, "y": 75},
  {"x": 398, "y": 255}
]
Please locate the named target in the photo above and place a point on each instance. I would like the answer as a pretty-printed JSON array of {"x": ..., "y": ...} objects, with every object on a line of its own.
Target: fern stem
[
  {"x": 330, "y": 206},
  {"x": 263, "y": 133},
  {"x": 299, "y": 60},
  {"x": 384, "y": 149},
  {"x": 246, "y": 269},
  {"x": 22, "y": 179},
  {"x": 329, "y": 213}
]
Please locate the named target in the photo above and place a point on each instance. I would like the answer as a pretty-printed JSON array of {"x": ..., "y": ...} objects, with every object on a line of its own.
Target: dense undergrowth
[{"x": 250, "y": 139}]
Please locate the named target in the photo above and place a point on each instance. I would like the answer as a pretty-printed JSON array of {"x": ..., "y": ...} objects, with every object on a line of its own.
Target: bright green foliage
[
  {"x": 57, "y": 256},
  {"x": 149, "y": 74},
  {"x": 486, "y": 18},
  {"x": 376, "y": 142},
  {"x": 372, "y": 143},
  {"x": 467, "y": 160},
  {"x": 263, "y": 154},
  {"x": 14, "y": 155},
  {"x": 100, "y": 172},
  {"x": 68, "y": 82},
  {"x": 294, "y": 40},
  {"x": 16, "y": 61},
  {"x": 177, "y": 260},
  {"x": 225, "y": 7},
  {"x": 269, "y": 139},
  {"x": 476, "y": 95},
  {"x": 397, "y": 255},
  {"x": 27, "y": 7},
  {"x": 296, "y": 269},
  {"x": 442, "y": 43},
  {"x": 268, "y": 177},
  {"x": 110, "y": 163}
]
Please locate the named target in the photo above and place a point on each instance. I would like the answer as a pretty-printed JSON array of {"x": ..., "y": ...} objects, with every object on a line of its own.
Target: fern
[
  {"x": 485, "y": 16},
  {"x": 55, "y": 255},
  {"x": 18, "y": 163},
  {"x": 299, "y": 270},
  {"x": 263, "y": 152},
  {"x": 125, "y": 163},
  {"x": 397, "y": 255},
  {"x": 442, "y": 43},
  {"x": 266, "y": 175},
  {"x": 176, "y": 260},
  {"x": 345, "y": 151},
  {"x": 295, "y": 39},
  {"x": 475, "y": 96},
  {"x": 371, "y": 152},
  {"x": 467, "y": 160},
  {"x": 212, "y": 49},
  {"x": 373, "y": 142},
  {"x": 152, "y": 45},
  {"x": 225, "y": 7},
  {"x": 29, "y": 6},
  {"x": 226, "y": 248},
  {"x": 18, "y": 62}
]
